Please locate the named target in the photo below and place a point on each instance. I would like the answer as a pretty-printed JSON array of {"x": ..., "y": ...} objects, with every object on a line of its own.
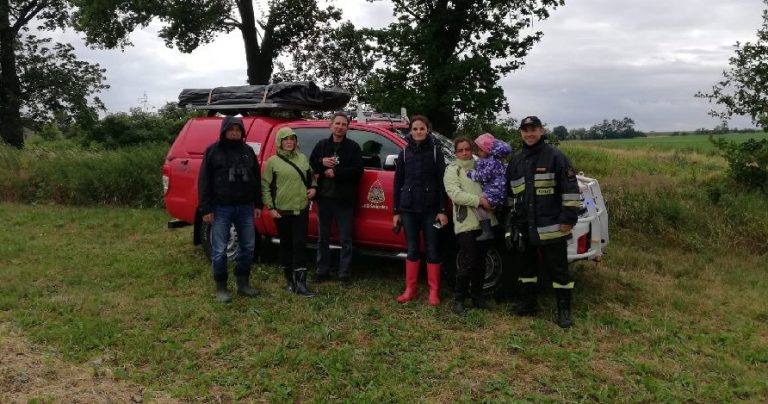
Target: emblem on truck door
[{"x": 375, "y": 196}]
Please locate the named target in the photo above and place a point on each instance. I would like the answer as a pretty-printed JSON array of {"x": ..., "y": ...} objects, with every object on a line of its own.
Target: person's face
[
  {"x": 339, "y": 126},
  {"x": 531, "y": 134},
  {"x": 419, "y": 131},
  {"x": 288, "y": 143},
  {"x": 464, "y": 151},
  {"x": 481, "y": 153},
  {"x": 234, "y": 133}
]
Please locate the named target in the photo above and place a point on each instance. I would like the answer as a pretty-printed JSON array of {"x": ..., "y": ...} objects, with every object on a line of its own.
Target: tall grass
[{"x": 80, "y": 176}]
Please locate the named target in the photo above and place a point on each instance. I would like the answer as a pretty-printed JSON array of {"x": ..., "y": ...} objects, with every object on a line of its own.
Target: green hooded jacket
[
  {"x": 282, "y": 187},
  {"x": 465, "y": 195}
]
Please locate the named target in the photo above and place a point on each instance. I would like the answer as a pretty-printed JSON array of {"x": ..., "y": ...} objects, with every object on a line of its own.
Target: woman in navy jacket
[{"x": 420, "y": 205}]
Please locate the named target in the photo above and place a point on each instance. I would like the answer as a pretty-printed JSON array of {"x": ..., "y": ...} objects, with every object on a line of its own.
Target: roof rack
[{"x": 258, "y": 109}]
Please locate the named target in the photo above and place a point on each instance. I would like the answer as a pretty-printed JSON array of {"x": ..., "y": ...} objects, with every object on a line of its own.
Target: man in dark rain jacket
[
  {"x": 229, "y": 192},
  {"x": 545, "y": 203}
]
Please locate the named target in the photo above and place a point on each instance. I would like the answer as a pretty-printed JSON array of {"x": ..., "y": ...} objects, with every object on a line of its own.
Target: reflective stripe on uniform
[
  {"x": 543, "y": 183},
  {"x": 572, "y": 203},
  {"x": 571, "y": 197},
  {"x": 528, "y": 280},
  {"x": 550, "y": 232},
  {"x": 559, "y": 286},
  {"x": 518, "y": 185},
  {"x": 547, "y": 176}
]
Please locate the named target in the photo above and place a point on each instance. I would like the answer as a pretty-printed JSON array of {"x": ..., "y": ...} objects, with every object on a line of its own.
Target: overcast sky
[{"x": 599, "y": 59}]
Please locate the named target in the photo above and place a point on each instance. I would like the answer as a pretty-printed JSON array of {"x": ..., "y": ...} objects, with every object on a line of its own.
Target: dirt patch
[{"x": 33, "y": 372}]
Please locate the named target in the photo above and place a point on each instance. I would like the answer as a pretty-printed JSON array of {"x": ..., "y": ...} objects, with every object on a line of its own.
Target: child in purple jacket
[{"x": 490, "y": 172}]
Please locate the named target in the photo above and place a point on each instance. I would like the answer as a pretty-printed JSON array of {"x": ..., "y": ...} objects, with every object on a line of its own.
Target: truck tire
[
  {"x": 494, "y": 264},
  {"x": 493, "y": 269},
  {"x": 205, "y": 240}
]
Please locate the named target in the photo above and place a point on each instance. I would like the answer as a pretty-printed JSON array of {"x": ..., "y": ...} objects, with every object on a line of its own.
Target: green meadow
[
  {"x": 675, "y": 312},
  {"x": 697, "y": 143}
]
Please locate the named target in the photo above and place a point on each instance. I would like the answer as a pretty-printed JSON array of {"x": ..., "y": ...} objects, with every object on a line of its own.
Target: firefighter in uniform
[{"x": 544, "y": 201}]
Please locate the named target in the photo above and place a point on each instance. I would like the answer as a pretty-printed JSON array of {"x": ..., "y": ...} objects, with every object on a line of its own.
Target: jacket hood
[
  {"x": 283, "y": 133},
  {"x": 228, "y": 122},
  {"x": 465, "y": 164},
  {"x": 500, "y": 149}
]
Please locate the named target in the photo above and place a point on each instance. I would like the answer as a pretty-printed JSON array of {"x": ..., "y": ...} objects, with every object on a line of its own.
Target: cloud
[{"x": 598, "y": 59}]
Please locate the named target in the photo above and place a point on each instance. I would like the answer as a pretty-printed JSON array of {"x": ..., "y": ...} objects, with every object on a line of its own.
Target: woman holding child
[{"x": 471, "y": 206}]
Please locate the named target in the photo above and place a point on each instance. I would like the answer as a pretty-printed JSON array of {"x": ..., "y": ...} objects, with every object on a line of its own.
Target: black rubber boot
[
  {"x": 563, "y": 318},
  {"x": 487, "y": 234},
  {"x": 527, "y": 304},
  {"x": 458, "y": 307},
  {"x": 300, "y": 283},
  {"x": 245, "y": 289},
  {"x": 222, "y": 294},
  {"x": 289, "y": 285}
]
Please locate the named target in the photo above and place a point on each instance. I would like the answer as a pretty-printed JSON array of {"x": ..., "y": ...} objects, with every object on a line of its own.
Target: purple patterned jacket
[{"x": 490, "y": 173}]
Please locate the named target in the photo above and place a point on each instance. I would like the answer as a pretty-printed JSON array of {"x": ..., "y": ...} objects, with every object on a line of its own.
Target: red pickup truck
[{"x": 380, "y": 141}]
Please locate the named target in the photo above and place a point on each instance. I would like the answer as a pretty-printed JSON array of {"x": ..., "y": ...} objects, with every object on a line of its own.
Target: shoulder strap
[{"x": 298, "y": 170}]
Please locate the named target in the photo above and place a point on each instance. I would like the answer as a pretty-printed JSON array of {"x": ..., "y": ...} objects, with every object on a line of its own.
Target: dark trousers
[
  {"x": 470, "y": 273},
  {"x": 416, "y": 224},
  {"x": 224, "y": 216},
  {"x": 292, "y": 230},
  {"x": 329, "y": 210},
  {"x": 554, "y": 260}
]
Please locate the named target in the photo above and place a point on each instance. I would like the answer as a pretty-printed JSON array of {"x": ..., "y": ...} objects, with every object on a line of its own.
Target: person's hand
[
  {"x": 485, "y": 204},
  {"x": 329, "y": 162},
  {"x": 442, "y": 218},
  {"x": 275, "y": 214},
  {"x": 256, "y": 213},
  {"x": 311, "y": 193},
  {"x": 565, "y": 228},
  {"x": 208, "y": 219},
  {"x": 395, "y": 219},
  {"x": 329, "y": 173}
]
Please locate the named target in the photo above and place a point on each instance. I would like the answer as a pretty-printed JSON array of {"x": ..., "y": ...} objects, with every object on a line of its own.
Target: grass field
[
  {"x": 698, "y": 143},
  {"x": 675, "y": 313}
]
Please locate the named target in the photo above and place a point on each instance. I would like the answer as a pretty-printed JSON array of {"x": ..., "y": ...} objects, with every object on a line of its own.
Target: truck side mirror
[{"x": 389, "y": 162}]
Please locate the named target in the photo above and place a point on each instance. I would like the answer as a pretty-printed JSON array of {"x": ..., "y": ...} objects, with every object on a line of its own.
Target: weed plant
[{"x": 80, "y": 176}]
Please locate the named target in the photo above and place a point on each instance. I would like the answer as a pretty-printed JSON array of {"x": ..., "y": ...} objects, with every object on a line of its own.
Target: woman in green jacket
[
  {"x": 287, "y": 185},
  {"x": 466, "y": 195}
]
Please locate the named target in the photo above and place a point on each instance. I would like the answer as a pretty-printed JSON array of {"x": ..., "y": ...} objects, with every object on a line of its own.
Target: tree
[
  {"x": 41, "y": 79},
  {"x": 333, "y": 57},
  {"x": 56, "y": 86},
  {"x": 744, "y": 88},
  {"x": 445, "y": 58},
  {"x": 560, "y": 132},
  {"x": 190, "y": 24},
  {"x": 615, "y": 129}
]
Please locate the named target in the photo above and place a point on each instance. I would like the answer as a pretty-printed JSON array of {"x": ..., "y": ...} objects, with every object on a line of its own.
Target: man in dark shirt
[
  {"x": 229, "y": 192},
  {"x": 338, "y": 161}
]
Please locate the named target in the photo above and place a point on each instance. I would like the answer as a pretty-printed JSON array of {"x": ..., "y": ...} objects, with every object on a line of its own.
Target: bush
[
  {"x": 747, "y": 161},
  {"x": 78, "y": 176}
]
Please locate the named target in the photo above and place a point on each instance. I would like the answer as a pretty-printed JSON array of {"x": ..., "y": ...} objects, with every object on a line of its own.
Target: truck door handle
[{"x": 185, "y": 161}]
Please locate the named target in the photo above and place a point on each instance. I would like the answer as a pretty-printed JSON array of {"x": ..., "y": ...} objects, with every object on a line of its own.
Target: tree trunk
[
  {"x": 10, "y": 87},
  {"x": 258, "y": 57}
]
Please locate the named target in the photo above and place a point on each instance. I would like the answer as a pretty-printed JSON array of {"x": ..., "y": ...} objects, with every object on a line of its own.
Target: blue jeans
[
  {"x": 329, "y": 210},
  {"x": 415, "y": 224},
  {"x": 223, "y": 218}
]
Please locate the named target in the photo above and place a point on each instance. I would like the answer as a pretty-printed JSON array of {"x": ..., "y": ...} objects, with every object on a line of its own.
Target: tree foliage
[
  {"x": 39, "y": 77},
  {"x": 334, "y": 56},
  {"x": 560, "y": 132},
  {"x": 747, "y": 161},
  {"x": 613, "y": 129},
  {"x": 188, "y": 25},
  {"x": 744, "y": 88},
  {"x": 445, "y": 58}
]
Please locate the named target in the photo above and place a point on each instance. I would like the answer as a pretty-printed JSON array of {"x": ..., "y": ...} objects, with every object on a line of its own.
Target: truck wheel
[
  {"x": 205, "y": 240},
  {"x": 493, "y": 269}
]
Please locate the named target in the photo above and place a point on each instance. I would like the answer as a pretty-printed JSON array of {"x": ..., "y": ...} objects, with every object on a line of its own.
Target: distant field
[{"x": 698, "y": 143}]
